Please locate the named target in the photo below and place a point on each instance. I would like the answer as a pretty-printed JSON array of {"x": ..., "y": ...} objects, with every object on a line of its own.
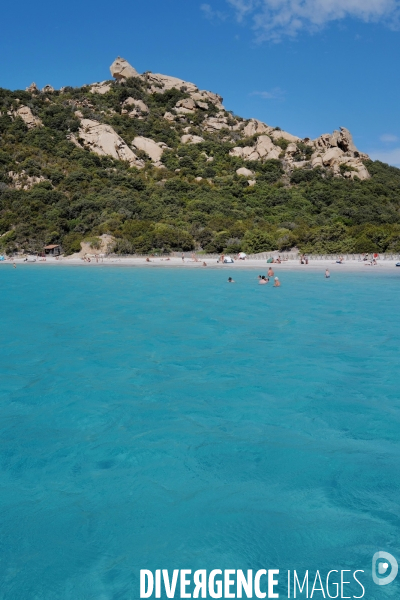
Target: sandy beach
[{"x": 176, "y": 262}]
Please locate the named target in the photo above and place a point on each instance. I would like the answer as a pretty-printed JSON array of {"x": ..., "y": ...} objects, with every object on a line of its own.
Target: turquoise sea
[{"x": 161, "y": 419}]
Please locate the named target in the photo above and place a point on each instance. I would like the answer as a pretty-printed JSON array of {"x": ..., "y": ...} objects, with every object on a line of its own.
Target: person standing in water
[
  {"x": 230, "y": 280},
  {"x": 270, "y": 272},
  {"x": 277, "y": 282},
  {"x": 327, "y": 274}
]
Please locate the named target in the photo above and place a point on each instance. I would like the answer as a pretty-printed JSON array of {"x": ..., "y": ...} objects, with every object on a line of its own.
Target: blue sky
[{"x": 307, "y": 66}]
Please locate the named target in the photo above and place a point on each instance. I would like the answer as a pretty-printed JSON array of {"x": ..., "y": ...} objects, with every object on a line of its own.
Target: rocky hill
[{"x": 159, "y": 164}]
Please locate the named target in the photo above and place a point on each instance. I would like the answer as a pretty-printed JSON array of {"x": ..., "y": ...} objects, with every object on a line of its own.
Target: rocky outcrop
[
  {"x": 169, "y": 116},
  {"x": 191, "y": 139},
  {"x": 254, "y": 126},
  {"x": 100, "y": 88},
  {"x": 72, "y": 138},
  {"x": 331, "y": 156},
  {"x": 263, "y": 149},
  {"x": 121, "y": 69},
  {"x": 22, "y": 181},
  {"x": 161, "y": 83},
  {"x": 187, "y": 103},
  {"x": 243, "y": 172},
  {"x": 336, "y": 150},
  {"x": 200, "y": 111},
  {"x": 28, "y": 117},
  {"x": 341, "y": 138},
  {"x": 103, "y": 140},
  {"x": 277, "y": 134},
  {"x": 33, "y": 88},
  {"x": 202, "y": 98},
  {"x": 47, "y": 88},
  {"x": 153, "y": 149},
  {"x": 181, "y": 110},
  {"x": 134, "y": 108},
  {"x": 216, "y": 123}
]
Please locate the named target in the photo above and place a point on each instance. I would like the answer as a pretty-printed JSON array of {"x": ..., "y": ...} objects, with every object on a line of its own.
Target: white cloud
[
  {"x": 391, "y": 157},
  {"x": 211, "y": 14},
  {"x": 243, "y": 7},
  {"x": 274, "y": 19},
  {"x": 389, "y": 138},
  {"x": 275, "y": 94}
]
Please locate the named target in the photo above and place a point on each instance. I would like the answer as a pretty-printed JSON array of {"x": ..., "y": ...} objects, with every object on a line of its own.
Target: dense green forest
[{"x": 83, "y": 195}]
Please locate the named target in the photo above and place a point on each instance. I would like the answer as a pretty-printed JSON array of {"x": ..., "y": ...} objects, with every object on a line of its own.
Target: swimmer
[
  {"x": 263, "y": 281},
  {"x": 327, "y": 274},
  {"x": 230, "y": 280},
  {"x": 277, "y": 282},
  {"x": 14, "y": 265},
  {"x": 270, "y": 272}
]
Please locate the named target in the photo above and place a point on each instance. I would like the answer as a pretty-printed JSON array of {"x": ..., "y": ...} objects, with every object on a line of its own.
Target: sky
[{"x": 307, "y": 66}]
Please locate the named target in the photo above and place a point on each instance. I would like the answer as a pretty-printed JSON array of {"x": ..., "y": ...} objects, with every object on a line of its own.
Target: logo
[{"x": 380, "y": 565}]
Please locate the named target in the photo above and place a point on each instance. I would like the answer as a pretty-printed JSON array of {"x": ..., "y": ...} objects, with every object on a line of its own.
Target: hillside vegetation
[{"x": 56, "y": 190}]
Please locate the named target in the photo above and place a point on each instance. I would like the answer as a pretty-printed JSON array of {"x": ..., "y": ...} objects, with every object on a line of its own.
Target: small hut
[{"x": 52, "y": 250}]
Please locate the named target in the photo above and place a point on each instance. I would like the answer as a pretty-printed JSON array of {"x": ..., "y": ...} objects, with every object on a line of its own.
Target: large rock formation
[
  {"x": 243, "y": 172},
  {"x": 263, "y": 149},
  {"x": 121, "y": 69},
  {"x": 153, "y": 149},
  {"x": 100, "y": 88},
  {"x": 191, "y": 139},
  {"x": 134, "y": 108},
  {"x": 254, "y": 126},
  {"x": 33, "y": 88},
  {"x": 336, "y": 151},
  {"x": 28, "y": 117},
  {"x": 200, "y": 116},
  {"x": 161, "y": 83},
  {"x": 103, "y": 140},
  {"x": 277, "y": 134}
]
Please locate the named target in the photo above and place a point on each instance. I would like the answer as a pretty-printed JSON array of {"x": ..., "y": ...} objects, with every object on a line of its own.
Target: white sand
[{"x": 259, "y": 265}]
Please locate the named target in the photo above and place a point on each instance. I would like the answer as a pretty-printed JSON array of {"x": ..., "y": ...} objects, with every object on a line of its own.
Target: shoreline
[{"x": 253, "y": 264}]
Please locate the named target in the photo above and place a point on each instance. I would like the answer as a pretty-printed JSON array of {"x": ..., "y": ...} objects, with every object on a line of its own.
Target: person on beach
[
  {"x": 230, "y": 280},
  {"x": 277, "y": 282},
  {"x": 148, "y": 260},
  {"x": 183, "y": 257},
  {"x": 270, "y": 272},
  {"x": 204, "y": 264},
  {"x": 327, "y": 274}
]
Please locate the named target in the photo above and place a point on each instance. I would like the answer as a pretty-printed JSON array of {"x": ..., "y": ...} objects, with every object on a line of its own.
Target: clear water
[{"x": 165, "y": 419}]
